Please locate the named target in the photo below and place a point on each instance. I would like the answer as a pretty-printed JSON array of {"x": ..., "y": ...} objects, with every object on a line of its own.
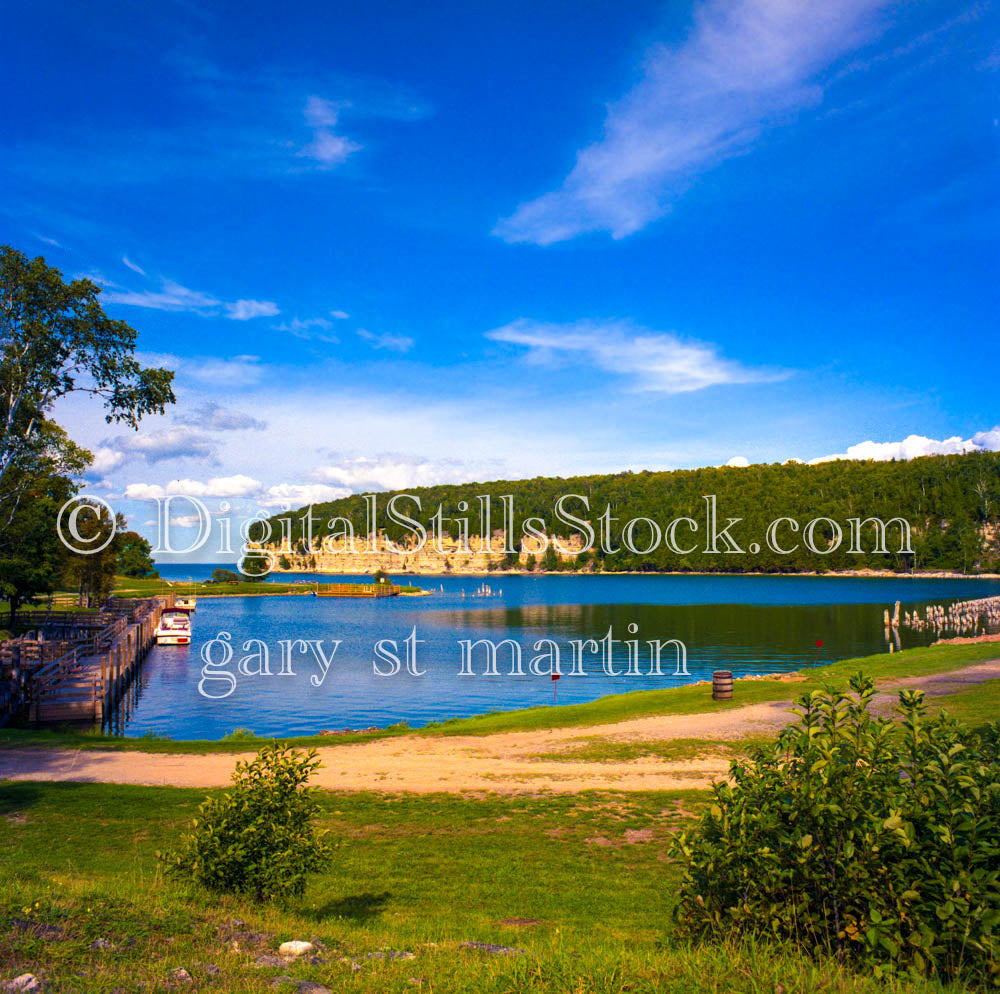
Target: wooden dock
[
  {"x": 79, "y": 667},
  {"x": 357, "y": 590}
]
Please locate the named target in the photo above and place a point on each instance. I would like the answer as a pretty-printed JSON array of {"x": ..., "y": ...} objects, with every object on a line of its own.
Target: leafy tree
[
  {"x": 92, "y": 574},
  {"x": 551, "y": 561},
  {"x": 54, "y": 340},
  {"x": 224, "y": 576},
  {"x": 259, "y": 837},
  {"x": 255, "y": 566},
  {"x": 32, "y": 557},
  {"x": 134, "y": 557},
  {"x": 284, "y": 562}
]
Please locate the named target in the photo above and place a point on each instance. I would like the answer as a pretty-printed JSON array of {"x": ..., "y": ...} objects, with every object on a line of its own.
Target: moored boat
[{"x": 174, "y": 628}]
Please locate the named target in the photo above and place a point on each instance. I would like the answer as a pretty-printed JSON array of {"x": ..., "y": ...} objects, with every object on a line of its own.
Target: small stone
[
  {"x": 415, "y": 981},
  {"x": 295, "y": 947},
  {"x": 281, "y": 981},
  {"x": 101, "y": 944},
  {"x": 212, "y": 970},
  {"x": 21, "y": 985},
  {"x": 309, "y": 987},
  {"x": 391, "y": 954},
  {"x": 181, "y": 976}
]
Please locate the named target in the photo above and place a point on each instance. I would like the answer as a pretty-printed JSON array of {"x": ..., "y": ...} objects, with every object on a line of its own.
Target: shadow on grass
[
  {"x": 16, "y": 796},
  {"x": 357, "y": 908}
]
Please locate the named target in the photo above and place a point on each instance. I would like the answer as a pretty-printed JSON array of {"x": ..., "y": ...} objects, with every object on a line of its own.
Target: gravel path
[{"x": 503, "y": 763}]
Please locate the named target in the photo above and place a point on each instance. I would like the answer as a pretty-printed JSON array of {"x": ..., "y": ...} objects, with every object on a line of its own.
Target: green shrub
[
  {"x": 258, "y": 838},
  {"x": 850, "y": 835}
]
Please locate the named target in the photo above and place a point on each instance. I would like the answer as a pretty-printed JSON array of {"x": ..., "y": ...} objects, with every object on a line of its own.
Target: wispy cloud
[
  {"x": 327, "y": 147},
  {"x": 308, "y": 328},
  {"x": 244, "y": 310},
  {"x": 656, "y": 361},
  {"x": 49, "y": 241},
  {"x": 340, "y": 315},
  {"x": 238, "y": 370},
  {"x": 393, "y": 343},
  {"x": 214, "y": 417},
  {"x": 172, "y": 296},
  {"x": 745, "y": 65}
]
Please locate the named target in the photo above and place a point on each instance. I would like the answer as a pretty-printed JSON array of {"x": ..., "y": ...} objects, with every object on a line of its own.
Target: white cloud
[
  {"x": 738, "y": 462},
  {"x": 391, "y": 472},
  {"x": 244, "y": 310},
  {"x": 106, "y": 460},
  {"x": 219, "y": 486},
  {"x": 914, "y": 446},
  {"x": 394, "y": 343},
  {"x": 745, "y": 65},
  {"x": 340, "y": 315},
  {"x": 178, "y": 442},
  {"x": 49, "y": 241},
  {"x": 131, "y": 265},
  {"x": 657, "y": 361},
  {"x": 185, "y": 520},
  {"x": 299, "y": 494},
  {"x": 327, "y": 148}
]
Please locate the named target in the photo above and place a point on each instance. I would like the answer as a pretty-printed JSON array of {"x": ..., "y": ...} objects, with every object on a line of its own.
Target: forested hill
[{"x": 951, "y": 503}]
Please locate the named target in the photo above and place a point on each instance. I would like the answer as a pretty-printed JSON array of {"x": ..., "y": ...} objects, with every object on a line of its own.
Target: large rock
[{"x": 295, "y": 947}]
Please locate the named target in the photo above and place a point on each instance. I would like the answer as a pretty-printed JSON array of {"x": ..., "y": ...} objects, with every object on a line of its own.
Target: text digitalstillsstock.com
[
  {"x": 493, "y": 522},
  {"x": 224, "y": 666}
]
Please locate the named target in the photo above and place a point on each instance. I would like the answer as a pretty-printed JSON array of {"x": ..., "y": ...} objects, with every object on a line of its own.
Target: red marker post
[
  {"x": 555, "y": 676},
  {"x": 819, "y": 645}
]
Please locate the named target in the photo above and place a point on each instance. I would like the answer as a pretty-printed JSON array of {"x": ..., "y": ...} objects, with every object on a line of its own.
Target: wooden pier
[
  {"x": 79, "y": 667},
  {"x": 356, "y": 590}
]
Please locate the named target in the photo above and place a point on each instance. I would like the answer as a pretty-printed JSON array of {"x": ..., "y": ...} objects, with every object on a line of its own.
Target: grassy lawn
[
  {"x": 578, "y": 884},
  {"x": 692, "y": 699}
]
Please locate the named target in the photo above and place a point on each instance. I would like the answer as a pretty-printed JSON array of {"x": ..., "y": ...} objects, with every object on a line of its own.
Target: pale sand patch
[{"x": 501, "y": 763}]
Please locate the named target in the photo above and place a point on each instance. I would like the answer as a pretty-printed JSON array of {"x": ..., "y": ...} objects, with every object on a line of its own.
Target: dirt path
[{"x": 504, "y": 763}]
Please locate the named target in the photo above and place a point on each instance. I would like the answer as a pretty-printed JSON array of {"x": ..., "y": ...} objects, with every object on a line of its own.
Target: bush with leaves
[
  {"x": 859, "y": 837},
  {"x": 258, "y": 838}
]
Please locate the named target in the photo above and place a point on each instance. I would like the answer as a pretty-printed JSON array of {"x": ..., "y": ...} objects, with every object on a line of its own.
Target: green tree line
[{"x": 951, "y": 504}]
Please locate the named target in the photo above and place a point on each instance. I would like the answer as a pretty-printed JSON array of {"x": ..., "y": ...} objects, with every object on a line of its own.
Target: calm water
[{"x": 746, "y": 624}]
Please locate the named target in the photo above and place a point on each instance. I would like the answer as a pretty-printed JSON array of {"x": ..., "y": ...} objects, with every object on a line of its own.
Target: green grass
[
  {"x": 690, "y": 699},
  {"x": 579, "y": 883}
]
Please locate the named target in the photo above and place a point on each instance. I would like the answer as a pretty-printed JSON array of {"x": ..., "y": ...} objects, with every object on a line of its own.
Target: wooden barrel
[{"x": 722, "y": 685}]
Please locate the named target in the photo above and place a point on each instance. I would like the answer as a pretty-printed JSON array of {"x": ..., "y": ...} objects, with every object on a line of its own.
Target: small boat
[
  {"x": 174, "y": 628},
  {"x": 185, "y": 603}
]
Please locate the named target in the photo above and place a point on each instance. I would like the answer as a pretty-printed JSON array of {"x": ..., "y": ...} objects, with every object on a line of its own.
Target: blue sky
[{"x": 393, "y": 244}]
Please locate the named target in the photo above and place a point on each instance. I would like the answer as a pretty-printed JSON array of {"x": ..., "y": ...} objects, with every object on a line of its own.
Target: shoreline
[{"x": 499, "y": 574}]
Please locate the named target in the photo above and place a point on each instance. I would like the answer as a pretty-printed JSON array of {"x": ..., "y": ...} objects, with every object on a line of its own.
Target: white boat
[
  {"x": 185, "y": 603},
  {"x": 174, "y": 628}
]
